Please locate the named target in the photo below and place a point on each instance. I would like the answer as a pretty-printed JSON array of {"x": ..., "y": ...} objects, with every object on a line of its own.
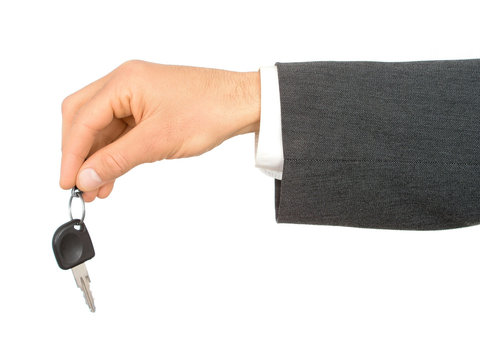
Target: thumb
[{"x": 115, "y": 159}]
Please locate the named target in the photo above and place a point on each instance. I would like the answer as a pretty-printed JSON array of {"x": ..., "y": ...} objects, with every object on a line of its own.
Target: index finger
[
  {"x": 75, "y": 101},
  {"x": 92, "y": 117}
]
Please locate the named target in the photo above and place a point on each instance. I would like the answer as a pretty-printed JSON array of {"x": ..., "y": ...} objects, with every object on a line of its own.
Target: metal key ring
[{"x": 76, "y": 193}]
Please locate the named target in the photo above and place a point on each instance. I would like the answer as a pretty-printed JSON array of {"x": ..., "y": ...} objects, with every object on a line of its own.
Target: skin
[{"x": 143, "y": 112}]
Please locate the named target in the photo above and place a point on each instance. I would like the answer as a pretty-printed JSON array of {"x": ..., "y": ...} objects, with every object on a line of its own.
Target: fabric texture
[{"x": 380, "y": 145}]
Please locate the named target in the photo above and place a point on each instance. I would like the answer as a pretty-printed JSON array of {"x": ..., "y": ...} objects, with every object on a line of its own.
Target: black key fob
[{"x": 72, "y": 247}]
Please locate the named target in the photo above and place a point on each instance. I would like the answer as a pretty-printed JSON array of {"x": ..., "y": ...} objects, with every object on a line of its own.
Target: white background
[{"x": 190, "y": 263}]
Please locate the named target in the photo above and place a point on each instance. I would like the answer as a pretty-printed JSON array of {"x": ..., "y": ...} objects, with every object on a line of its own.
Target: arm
[{"x": 385, "y": 145}]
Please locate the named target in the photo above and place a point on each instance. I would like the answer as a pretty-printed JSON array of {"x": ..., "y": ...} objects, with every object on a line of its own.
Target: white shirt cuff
[{"x": 268, "y": 140}]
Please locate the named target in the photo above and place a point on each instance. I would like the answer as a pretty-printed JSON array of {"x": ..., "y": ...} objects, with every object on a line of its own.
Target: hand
[{"x": 144, "y": 112}]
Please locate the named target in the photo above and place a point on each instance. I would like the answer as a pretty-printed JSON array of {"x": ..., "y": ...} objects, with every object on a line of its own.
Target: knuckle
[
  {"x": 67, "y": 105},
  {"x": 115, "y": 162},
  {"x": 131, "y": 67},
  {"x": 129, "y": 78}
]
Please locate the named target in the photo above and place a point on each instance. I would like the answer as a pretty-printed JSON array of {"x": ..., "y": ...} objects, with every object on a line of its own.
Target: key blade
[
  {"x": 82, "y": 279},
  {"x": 88, "y": 294}
]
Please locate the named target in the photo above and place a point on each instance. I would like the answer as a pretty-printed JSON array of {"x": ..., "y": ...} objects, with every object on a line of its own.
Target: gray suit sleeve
[{"x": 380, "y": 145}]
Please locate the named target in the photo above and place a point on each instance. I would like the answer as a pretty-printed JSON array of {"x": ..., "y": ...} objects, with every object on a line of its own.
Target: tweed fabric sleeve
[{"x": 380, "y": 145}]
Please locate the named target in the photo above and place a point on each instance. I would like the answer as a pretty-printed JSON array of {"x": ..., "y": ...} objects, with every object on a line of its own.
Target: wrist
[
  {"x": 253, "y": 101},
  {"x": 247, "y": 102}
]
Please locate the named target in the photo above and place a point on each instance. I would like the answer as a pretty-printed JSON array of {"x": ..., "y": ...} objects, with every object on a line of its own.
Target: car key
[{"x": 73, "y": 246}]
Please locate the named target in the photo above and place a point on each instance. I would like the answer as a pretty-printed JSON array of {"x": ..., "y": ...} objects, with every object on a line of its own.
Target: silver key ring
[{"x": 76, "y": 193}]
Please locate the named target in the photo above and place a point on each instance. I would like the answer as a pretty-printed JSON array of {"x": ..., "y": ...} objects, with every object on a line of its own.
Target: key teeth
[
  {"x": 82, "y": 279},
  {"x": 92, "y": 309},
  {"x": 87, "y": 294}
]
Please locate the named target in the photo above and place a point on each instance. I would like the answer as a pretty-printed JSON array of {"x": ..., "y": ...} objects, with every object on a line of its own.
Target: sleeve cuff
[{"x": 268, "y": 140}]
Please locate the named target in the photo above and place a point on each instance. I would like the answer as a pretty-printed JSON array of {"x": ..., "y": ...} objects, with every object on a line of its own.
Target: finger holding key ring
[{"x": 76, "y": 193}]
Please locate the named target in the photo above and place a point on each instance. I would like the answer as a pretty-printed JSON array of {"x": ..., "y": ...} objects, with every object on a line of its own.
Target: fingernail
[{"x": 89, "y": 179}]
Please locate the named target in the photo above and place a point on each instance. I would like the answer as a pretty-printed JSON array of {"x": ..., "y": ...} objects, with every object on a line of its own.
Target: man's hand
[{"x": 144, "y": 112}]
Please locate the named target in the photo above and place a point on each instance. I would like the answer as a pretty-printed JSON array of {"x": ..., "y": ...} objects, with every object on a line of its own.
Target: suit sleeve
[{"x": 380, "y": 145}]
